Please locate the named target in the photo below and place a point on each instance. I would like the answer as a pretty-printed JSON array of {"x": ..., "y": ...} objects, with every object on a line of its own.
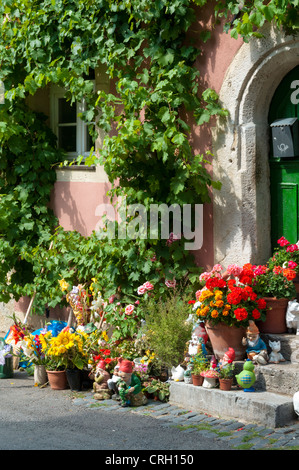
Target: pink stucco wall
[{"x": 75, "y": 203}]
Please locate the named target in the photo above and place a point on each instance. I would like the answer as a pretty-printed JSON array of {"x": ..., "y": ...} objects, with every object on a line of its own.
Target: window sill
[{"x": 91, "y": 168}]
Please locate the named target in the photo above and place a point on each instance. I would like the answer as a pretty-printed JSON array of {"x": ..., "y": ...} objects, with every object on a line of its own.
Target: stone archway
[{"x": 241, "y": 147}]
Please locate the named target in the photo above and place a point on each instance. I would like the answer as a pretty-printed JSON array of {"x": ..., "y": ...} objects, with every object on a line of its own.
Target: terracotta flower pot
[
  {"x": 197, "y": 380},
  {"x": 223, "y": 337},
  {"x": 225, "y": 384},
  {"x": 275, "y": 316},
  {"x": 57, "y": 379}
]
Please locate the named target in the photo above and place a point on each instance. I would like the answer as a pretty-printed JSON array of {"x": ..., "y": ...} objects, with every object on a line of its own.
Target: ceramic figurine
[
  {"x": 246, "y": 378},
  {"x": 177, "y": 373},
  {"x": 296, "y": 403},
  {"x": 112, "y": 382},
  {"x": 256, "y": 348},
  {"x": 292, "y": 316},
  {"x": 187, "y": 375},
  {"x": 275, "y": 355},
  {"x": 100, "y": 385},
  {"x": 129, "y": 387},
  {"x": 199, "y": 336}
]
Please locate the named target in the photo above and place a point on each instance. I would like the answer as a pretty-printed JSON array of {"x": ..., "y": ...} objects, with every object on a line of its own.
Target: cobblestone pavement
[{"x": 238, "y": 435}]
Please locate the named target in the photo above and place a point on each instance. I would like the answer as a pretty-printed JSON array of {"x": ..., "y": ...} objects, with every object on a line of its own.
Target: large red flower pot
[
  {"x": 275, "y": 316},
  {"x": 223, "y": 337}
]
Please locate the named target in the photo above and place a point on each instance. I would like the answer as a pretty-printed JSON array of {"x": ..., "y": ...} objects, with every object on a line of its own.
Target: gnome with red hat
[
  {"x": 100, "y": 385},
  {"x": 129, "y": 386}
]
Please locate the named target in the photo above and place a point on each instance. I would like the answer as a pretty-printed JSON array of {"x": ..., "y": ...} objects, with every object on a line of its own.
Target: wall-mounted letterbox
[{"x": 285, "y": 138}]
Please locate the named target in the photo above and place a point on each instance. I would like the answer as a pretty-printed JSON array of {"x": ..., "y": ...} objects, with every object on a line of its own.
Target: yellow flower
[
  {"x": 205, "y": 294},
  {"x": 63, "y": 284},
  {"x": 219, "y": 303},
  {"x": 225, "y": 313},
  {"x": 212, "y": 304},
  {"x": 105, "y": 336}
]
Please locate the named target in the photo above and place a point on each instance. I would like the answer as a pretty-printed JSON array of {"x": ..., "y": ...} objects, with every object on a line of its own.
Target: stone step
[
  {"x": 289, "y": 345},
  {"x": 280, "y": 378},
  {"x": 262, "y": 407}
]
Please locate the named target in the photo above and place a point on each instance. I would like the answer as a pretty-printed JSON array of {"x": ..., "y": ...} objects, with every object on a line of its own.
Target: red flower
[
  {"x": 214, "y": 282},
  {"x": 261, "y": 303},
  {"x": 256, "y": 314},
  {"x": 241, "y": 314},
  {"x": 292, "y": 248},
  {"x": 282, "y": 241},
  {"x": 190, "y": 302}
]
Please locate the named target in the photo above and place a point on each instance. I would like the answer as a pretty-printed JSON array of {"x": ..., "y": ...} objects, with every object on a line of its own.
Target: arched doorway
[
  {"x": 241, "y": 145},
  {"x": 284, "y": 159}
]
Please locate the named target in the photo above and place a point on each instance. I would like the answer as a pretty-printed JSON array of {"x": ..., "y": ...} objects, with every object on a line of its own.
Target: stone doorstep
[{"x": 269, "y": 409}]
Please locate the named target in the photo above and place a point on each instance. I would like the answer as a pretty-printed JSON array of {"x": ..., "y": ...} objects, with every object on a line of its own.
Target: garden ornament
[
  {"x": 256, "y": 348},
  {"x": 292, "y": 316},
  {"x": 246, "y": 378},
  {"x": 275, "y": 355},
  {"x": 228, "y": 358},
  {"x": 112, "y": 382},
  {"x": 177, "y": 373},
  {"x": 296, "y": 403},
  {"x": 129, "y": 387},
  {"x": 100, "y": 385}
]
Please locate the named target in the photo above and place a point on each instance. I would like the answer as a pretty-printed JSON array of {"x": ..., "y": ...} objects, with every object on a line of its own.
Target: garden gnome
[
  {"x": 113, "y": 381},
  {"x": 256, "y": 348},
  {"x": 100, "y": 385},
  {"x": 228, "y": 358},
  {"x": 129, "y": 387}
]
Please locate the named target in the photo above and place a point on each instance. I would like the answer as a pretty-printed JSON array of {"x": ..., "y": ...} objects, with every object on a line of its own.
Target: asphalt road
[{"x": 33, "y": 418}]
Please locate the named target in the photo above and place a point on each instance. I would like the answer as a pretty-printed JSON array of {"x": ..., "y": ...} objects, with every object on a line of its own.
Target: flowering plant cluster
[
  {"x": 230, "y": 301},
  {"x": 105, "y": 356},
  {"x": 65, "y": 351},
  {"x": 30, "y": 346},
  {"x": 286, "y": 256}
]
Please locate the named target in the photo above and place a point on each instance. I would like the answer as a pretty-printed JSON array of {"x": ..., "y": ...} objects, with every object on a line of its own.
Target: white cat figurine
[
  {"x": 292, "y": 316},
  {"x": 275, "y": 355}
]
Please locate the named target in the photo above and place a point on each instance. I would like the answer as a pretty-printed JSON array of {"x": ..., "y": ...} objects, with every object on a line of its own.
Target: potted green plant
[
  {"x": 159, "y": 389},
  {"x": 199, "y": 364},
  {"x": 275, "y": 284},
  {"x": 226, "y": 376}
]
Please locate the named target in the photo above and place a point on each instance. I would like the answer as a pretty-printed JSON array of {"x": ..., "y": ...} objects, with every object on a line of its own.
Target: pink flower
[
  {"x": 111, "y": 299},
  {"x": 169, "y": 283},
  {"x": 292, "y": 248},
  {"x": 292, "y": 264},
  {"x": 217, "y": 268},
  {"x": 141, "y": 290},
  {"x": 282, "y": 241},
  {"x": 234, "y": 269},
  {"x": 137, "y": 302},
  {"x": 148, "y": 286},
  {"x": 129, "y": 309},
  {"x": 204, "y": 276}
]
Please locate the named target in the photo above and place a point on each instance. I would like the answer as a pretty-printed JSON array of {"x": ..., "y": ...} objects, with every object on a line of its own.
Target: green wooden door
[{"x": 284, "y": 172}]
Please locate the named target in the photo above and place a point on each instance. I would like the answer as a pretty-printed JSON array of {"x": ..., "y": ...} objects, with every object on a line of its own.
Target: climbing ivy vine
[{"x": 148, "y": 54}]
